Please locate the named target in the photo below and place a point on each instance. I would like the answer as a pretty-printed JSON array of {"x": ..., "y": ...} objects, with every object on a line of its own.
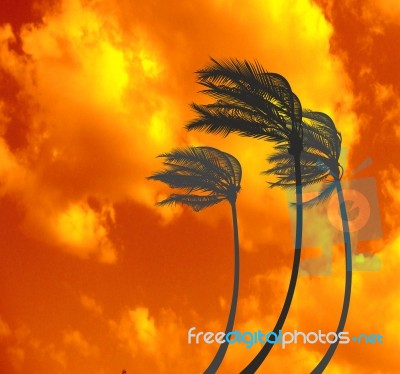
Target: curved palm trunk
[
  {"x": 216, "y": 362},
  {"x": 347, "y": 292},
  {"x": 263, "y": 353}
]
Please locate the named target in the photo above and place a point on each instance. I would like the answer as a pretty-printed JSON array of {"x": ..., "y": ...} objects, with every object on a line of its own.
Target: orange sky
[{"x": 93, "y": 276}]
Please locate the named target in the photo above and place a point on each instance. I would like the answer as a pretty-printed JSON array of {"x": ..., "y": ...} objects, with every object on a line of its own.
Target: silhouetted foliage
[
  {"x": 206, "y": 176},
  {"x": 249, "y": 101},
  {"x": 255, "y": 103},
  {"x": 214, "y": 175},
  {"x": 319, "y": 163},
  {"x": 319, "y": 160}
]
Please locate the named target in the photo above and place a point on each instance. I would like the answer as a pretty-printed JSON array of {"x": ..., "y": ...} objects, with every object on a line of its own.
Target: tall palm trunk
[
  {"x": 216, "y": 362},
  {"x": 347, "y": 292},
  {"x": 262, "y": 354}
]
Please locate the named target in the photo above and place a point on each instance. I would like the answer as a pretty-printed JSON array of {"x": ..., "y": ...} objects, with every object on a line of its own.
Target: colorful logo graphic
[{"x": 363, "y": 217}]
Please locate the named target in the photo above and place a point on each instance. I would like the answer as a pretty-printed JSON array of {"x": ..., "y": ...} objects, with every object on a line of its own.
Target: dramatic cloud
[
  {"x": 163, "y": 343},
  {"x": 94, "y": 120},
  {"x": 105, "y": 96},
  {"x": 24, "y": 348},
  {"x": 90, "y": 93},
  {"x": 91, "y": 304},
  {"x": 4, "y": 329},
  {"x": 75, "y": 340}
]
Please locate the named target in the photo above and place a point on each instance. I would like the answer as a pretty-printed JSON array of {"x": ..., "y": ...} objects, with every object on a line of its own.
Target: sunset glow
[{"x": 95, "y": 278}]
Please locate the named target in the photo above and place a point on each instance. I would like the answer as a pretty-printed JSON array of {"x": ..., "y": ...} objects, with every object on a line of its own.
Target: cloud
[
  {"x": 89, "y": 132},
  {"x": 291, "y": 50},
  {"x": 25, "y": 350},
  {"x": 381, "y": 12},
  {"x": 137, "y": 328},
  {"x": 12, "y": 174},
  {"x": 323, "y": 296},
  {"x": 75, "y": 340},
  {"x": 17, "y": 357},
  {"x": 5, "y": 330},
  {"x": 162, "y": 341},
  {"x": 91, "y": 304},
  {"x": 84, "y": 231},
  {"x": 104, "y": 87},
  {"x": 123, "y": 99},
  {"x": 390, "y": 185}
]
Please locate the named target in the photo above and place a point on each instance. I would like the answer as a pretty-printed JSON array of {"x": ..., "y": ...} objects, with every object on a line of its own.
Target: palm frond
[
  {"x": 252, "y": 79},
  {"x": 225, "y": 119},
  {"x": 196, "y": 202},
  {"x": 267, "y": 109},
  {"x": 249, "y": 101},
  {"x": 320, "y": 129},
  {"x": 322, "y": 196},
  {"x": 188, "y": 183},
  {"x": 206, "y": 170},
  {"x": 199, "y": 160},
  {"x": 232, "y": 165},
  {"x": 319, "y": 160},
  {"x": 286, "y": 181}
]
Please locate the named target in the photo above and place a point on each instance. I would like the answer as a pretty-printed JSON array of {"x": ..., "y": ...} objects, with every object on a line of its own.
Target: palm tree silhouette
[
  {"x": 320, "y": 163},
  {"x": 253, "y": 102},
  {"x": 207, "y": 176}
]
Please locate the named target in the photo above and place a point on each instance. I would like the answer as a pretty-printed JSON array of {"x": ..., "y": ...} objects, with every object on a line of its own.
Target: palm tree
[
  {"x": 320, "y": 163},
  {"x": 253, "y": 102},
  {"x": 207, "y": 177}
]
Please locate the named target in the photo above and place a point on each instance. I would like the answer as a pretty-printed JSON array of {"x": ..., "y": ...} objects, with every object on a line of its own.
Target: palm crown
[
  {"x": 249, "y": 101},
  {"x": 206, "y": 175},
  {"x": 319, "y": 160},
  {"x": 252, "y": 102}
]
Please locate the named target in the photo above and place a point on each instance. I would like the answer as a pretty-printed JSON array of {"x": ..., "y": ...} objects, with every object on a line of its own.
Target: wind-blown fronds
[
  {"x": 252, "y": 102},
  {"x": 321, "y": 134},
  {"x": 223, "y": 118},
  {"x": 208, "y": 170},
  {"x": 319, "y": 160},
  {"x": 196, "y": 202},
  {"x": 249, "y": 101},
  {"x": 216, "y": 176}
]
